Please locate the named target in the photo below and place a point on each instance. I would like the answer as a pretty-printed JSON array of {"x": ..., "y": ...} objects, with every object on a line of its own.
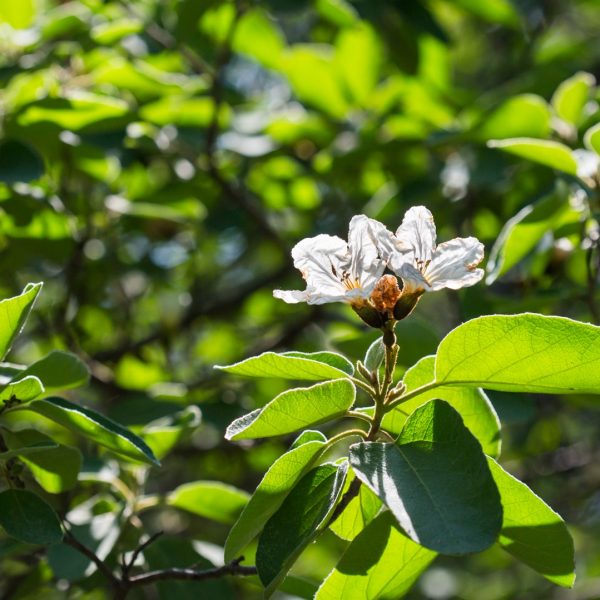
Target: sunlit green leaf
[
  {"x": 277, "y": 483},
  {"x": 532, "y": 532},
  {"x": 211, "y": 499},
  {"x": 23, "y": 389},
  {"x": 545, "y": 152},
  {"x": 472, "y": 404},
  {"x": 295, "y": 409},
  {"x": 13, "y": 314},
  {"x": 382, "y": 563},
  {"x": 295, "y": 365},
  {"x": 527, "y": 353},
  {"x": 526, "y": 115},
  {"x": 592, "y": 138},
  {"x": 59, "y": 371},
  {"x": 572, "y": 95},
  {"x": 523, "y": 232}
]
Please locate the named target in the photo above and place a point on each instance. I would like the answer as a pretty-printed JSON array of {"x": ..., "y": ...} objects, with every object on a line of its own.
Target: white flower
[
  {"x": 425, "y": 267},
  {"x": 336, "y": 271}
]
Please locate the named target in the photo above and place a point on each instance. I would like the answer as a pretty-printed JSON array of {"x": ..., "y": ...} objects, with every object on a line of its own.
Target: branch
[
  {"x": 232, "y": 568},
  {"x": 72, "y": 541}
]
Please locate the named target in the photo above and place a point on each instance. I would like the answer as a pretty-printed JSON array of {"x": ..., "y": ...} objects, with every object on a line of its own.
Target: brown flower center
[{"x": 386, "y": 293}]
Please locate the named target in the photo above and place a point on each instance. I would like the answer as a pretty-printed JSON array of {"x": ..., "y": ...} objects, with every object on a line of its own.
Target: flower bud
[{"x": 405, "y": 304}]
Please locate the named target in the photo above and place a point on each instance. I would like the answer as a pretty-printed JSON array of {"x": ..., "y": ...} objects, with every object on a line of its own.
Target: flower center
[{"x": 386, "y": 293}]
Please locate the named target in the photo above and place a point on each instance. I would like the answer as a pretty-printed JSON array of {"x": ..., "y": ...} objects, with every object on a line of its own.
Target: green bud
[{"x": 406, "y": 304}]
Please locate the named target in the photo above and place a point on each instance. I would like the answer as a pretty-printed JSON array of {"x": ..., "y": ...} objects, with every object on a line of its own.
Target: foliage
[{"x": 158, "y": 162}]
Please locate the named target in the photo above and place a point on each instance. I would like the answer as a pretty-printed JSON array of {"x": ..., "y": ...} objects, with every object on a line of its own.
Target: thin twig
[
  {"x": 72, "y": 541},
  {"x": 128, "y": 566},
  {"x": 232, "y": 568}
]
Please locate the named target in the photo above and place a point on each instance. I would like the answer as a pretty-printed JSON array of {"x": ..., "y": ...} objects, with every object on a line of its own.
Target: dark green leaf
[
  {"x": 277, "y": 483},
  {"x": 435, "y": 480},
  {"x": 28, "y": 518},
  {"x": 95, "y": 427},
  {"x": 299, "y": 519}
]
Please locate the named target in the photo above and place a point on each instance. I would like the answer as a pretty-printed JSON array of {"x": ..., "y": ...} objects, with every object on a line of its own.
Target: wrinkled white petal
[
  {"x": 412, "y": 280},
  {"x": 367, "y": 263},
  {"x": 416, "y": 236},
  {"x": 311, "y": 296},
  {"x": 291, "y": 296},
  {"x": 322, "y": 260},
  {"x": 453, "y": 264}
]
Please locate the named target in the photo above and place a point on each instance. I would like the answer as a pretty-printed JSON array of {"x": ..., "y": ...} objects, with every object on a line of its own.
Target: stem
[
  {"x": 356, "y": 414},
  {"x": 340, "y": 436},
  {"x": 412, "y": 394},
  {"x": 361, "y": 384}
]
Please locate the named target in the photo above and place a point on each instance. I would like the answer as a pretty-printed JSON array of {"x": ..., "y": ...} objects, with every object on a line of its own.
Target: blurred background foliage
[{"x": 159, "y": 159}]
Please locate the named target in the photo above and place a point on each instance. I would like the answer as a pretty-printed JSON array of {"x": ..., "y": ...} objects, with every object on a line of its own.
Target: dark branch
[
  {"x": 233, "y": 568},
  {"x": 72, "y": 541}
]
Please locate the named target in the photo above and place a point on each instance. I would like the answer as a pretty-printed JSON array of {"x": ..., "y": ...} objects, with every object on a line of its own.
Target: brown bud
[{"x": 385, "y": 294}]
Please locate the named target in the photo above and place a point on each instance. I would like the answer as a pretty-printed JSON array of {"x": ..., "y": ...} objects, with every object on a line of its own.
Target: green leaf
[
  {"x": 19, "y": 15},
  {"x": 75, "y": 113},
  {"x": 572, "y": 95},
  {"x": 19, "y": 163},
  {"x": 270, "y": 493},
  {"x": 532, "y": 531},
  {"x": 211, "y": 499},
  {"x": 56, "y": 469},
  {"x": 591, "y": 139},
  {"x": 312, "y": 73},
  {"x": 270, "y": 364},
  {"x": 333, "y": 359},
  {"x": 94, "y": 426},
  {"x": 358, "y": 513},
  {"x": 435, "y": 480},
  {"x": 375, "y": 355},
  {"x": 184, "y": 111},
  {"x": 14, "y": 313},
  {"x": 382, "y": 563},
  {"x": 526, "y": 115},
  {"x": 295, "y": 409},
  {"x": 256, "y": 25},
  {"x": 525, "y": 230},
  {"x": 522, "y": 353},
  {"x": 28, "y": 518},
  {"x": 112, "y": 32},
  {"x": 545, "y": 152},
  {"x": 358, "y": 57},
  {"x": 22, "y": 390},
  {"x": 303, "y": 514},
  {"x": 472, "y": 404},
  {"x": 495, "y": 11},
  {"x": 59, "y": 371}
]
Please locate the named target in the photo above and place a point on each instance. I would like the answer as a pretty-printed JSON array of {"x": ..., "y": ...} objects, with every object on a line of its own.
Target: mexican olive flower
[
  {"x": 336, "y": 271},
  {"x": 424, "y": 267}
]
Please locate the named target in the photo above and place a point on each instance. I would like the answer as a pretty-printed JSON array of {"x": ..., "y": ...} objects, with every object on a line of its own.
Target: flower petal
[
  {"x": 453, "y": 264},
  {"x": 416, "y": 235},
  {"x": 322, "y": 260},
  {"x": 312, "y": 296},
  {"x": 413, "y": 281},
  {"x": 367, "y": 263}
]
